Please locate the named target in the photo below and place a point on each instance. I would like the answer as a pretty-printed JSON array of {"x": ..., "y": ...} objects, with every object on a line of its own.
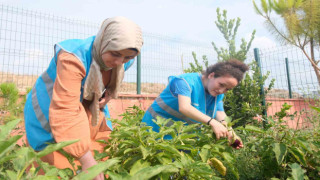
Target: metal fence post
[
  {"x": 288, "y": 77},
  {"x": 139, "y": 73},
  {"x": 263, "y": 103}
]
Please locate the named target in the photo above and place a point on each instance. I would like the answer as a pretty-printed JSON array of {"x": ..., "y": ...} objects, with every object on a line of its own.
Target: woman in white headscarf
[{"x": 68, "y": 101}]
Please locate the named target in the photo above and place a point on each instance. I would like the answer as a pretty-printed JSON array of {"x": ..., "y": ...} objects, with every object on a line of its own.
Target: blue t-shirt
[{"x": 180, "y": 87}]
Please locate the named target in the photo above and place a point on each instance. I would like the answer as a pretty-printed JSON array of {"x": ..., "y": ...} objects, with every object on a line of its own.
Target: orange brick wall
[{"x": 119, "y": 105}]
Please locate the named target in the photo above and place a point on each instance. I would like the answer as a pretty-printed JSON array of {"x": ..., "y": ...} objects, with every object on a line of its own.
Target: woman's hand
[
  {"x": 104, "y": 100},
  {"x": 235, "y": 141},
  {"x": 219, "y": 129},
  {"x": 87, "y": 161}
]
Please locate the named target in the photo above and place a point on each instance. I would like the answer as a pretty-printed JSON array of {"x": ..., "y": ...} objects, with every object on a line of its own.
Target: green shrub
[
  {"x": 279, "y": 151},
  {"x": 145, "y": 154},
  {"x": 244, "y": 102},
  {"x": 10, "y": 94}
]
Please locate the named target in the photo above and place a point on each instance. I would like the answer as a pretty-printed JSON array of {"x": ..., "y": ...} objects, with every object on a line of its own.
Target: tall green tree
[
  {"x": 229, "y": 29},
  {"x": 244, "y": 101},
  {"x": 300, "y": 27}
]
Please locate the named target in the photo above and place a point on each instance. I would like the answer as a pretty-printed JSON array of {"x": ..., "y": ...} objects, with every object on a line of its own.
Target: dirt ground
[{"x": 27, "y": 81}]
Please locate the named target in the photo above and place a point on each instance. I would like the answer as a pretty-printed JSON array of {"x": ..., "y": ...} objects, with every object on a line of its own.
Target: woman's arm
[
  {"x": 220, "y": 116},
  {"x": 188, "y": 110},
  {"x": 67, "y": 116}
]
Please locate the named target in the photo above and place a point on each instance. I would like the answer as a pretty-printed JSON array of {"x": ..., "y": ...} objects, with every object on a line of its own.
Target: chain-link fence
[
  {"x": 296, "y": 82},
  {"x": 27, "y": 39}
]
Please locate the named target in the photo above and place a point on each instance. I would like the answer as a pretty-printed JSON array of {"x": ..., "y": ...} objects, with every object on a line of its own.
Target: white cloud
[{"x": 263, "y": 42}]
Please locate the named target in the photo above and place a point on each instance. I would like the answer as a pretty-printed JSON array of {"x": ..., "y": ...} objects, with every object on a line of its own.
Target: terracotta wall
[
  {"x": 118, "y": 106},
  {"x": 301, "y": 106},
  {"x": 124, "y": 101}
]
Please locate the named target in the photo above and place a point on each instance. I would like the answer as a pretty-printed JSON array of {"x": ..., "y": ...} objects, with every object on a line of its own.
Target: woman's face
[
  {"x": 113, "y": 59},
  {"x": 220, "y": 85}
]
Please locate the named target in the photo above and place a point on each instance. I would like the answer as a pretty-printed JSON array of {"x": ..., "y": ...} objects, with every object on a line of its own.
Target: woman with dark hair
[
  {"x": 198, "y": 98},
  {"x": 68, "y": 101}
]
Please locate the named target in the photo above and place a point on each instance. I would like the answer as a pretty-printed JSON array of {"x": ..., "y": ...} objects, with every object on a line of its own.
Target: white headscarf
[{"x": 115, "y": 34}]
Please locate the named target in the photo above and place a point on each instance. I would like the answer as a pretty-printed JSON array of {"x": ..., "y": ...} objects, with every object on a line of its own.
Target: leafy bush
[
  {"x": 279, "y": 152},
  {"x": 10, "y": 106},
  {"x": 14, "y": 160},
  {"x": 244, "y": 101},
  {"x": 192, "y": 152},
  {"x": 10, "y": 93}
]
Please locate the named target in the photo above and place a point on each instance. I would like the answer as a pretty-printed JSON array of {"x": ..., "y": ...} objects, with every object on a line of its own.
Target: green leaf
[
  {"x": 93, "y": 171},
  {"x": 187, "y": 136},
  {"x": 46, "y": 178},
  {"x": 204, "y": 154},
  {"x": 297, "y": 171},
  {"x": 163, "y": 159},
  {"x": 24, "y": 156},
  {"x": 149, "y": 172},
  {"x": 66, "y": 173},
  {"x": 7, "y": 158},
  {"x": 119, "y": 176},
  {"x": 6, "y": 129},
  {"x": 11, "y": 174},
  {"x": 127, "y": 150},
  {"x": 53, "y": 147},
  {"x": 228, "y": 157},
  {"x": 7, "y": 145},
  {"x": 315, "y": 108},
  {"x": 264, "y": 5},
  {"x": 168, "y": 148},
  {"x": 138, "y": 166},
  {"x": 299, "y": 155},
  {"x": 304, "y": 144},
  {"x": 145, "y": 152},
  {"x": 280, "y": 150},
  {"x": 253, "y": 129}
]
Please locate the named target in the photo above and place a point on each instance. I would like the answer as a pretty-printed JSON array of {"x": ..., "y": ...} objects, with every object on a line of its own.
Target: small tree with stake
[{"x": 244, "y": 101}]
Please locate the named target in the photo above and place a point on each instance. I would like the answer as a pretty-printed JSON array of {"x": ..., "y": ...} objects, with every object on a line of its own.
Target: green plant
[
  {"x": 9, "y": 107},
  {"x": 9, "y": 92},
  {"x": 145, "y": 154},
  {"x": 14, "y": 160},
  {"x": 280, "y": 152},
  {"x": 300, "y": 27},
  {"x": 244, "y": 101}
]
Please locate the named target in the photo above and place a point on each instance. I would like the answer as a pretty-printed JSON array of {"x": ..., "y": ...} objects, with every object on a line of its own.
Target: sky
[
  {"x": 187, "y": 20},
  {"x": 182, "y": 19}
]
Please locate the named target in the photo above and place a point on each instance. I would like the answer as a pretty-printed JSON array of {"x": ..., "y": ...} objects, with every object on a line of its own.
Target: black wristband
[{"x": 209, "y": 121}]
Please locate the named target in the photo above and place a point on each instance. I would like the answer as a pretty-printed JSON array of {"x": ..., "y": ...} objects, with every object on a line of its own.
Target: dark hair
[
  {"x": 232, "y": 67},
  {"x": 134, "y": 49}
]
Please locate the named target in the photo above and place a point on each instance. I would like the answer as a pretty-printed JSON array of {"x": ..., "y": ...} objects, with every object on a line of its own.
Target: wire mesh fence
[
  {"x": 27, "y": 39},
  {"x": 295, "y": 82}
]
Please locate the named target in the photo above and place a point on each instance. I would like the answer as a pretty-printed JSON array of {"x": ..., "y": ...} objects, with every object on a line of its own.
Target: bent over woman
[
  {"x": 68, "y": 100},
  {"x": 198, "y": 98}
]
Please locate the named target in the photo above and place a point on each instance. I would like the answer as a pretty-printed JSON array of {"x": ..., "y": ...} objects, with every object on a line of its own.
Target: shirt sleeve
[
  {"x": 180, "y": 87},
  {"x": 67, "y": 116},
  {"x": 220, "y": 106}
]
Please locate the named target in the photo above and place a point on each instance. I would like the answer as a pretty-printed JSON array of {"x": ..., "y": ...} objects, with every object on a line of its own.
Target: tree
[
  {"x": 301, "y": 26},
  {"x": 229, "y": 30},
  {"x": 244, "y": 101}
]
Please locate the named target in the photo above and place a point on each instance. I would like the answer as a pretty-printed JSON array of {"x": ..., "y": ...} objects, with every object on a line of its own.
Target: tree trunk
[
  {"x": 315, "y": 67},
  {"x": 317, "y": 73}
]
